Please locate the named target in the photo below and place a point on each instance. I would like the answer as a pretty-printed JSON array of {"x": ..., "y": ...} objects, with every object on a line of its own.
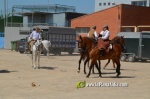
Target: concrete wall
[
  {"x": 59, "y": 19},
  {"x": 12, "y": 34}
]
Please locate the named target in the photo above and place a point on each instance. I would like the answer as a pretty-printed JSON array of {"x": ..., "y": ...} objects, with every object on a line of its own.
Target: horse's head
[
  {"x": 81, "y": 44},
  {"x": 85, "y": 43},
  {"x": 38, "y": 44},
  {"x": 119, "y": 39}
]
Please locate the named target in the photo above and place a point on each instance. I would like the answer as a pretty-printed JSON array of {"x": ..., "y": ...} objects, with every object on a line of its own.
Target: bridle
[
  {"x": 38, "y": 45},
  {"x": 82, "y": 49}
]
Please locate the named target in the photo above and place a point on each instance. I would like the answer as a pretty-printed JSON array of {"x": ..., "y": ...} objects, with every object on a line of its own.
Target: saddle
[{"x": 104, "y": 44}]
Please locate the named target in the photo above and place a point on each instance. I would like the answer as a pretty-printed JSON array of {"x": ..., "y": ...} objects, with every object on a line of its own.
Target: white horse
[{"x": 36, "y": 51}]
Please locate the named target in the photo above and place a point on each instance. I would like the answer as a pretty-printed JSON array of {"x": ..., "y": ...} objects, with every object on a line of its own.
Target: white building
[{"x": 103, "y": 4}]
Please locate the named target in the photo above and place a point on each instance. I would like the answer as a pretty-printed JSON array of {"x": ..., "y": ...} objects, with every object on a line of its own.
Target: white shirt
[
  {"x": 105, "y": 34},
  {"x": 95, "y": 34},
  {"x": 34, "y": 35}
]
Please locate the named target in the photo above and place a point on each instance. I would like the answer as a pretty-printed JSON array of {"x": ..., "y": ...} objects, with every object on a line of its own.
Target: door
[{"x": 145, "y": 46}]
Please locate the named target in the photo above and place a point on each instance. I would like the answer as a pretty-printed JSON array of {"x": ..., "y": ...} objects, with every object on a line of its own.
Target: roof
[
  {"x": 30, "y": 13},
  {"x": 45, "y": 8}
]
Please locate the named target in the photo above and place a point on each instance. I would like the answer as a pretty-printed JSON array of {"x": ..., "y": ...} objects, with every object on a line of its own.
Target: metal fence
[{"x": 9, "y": 24}]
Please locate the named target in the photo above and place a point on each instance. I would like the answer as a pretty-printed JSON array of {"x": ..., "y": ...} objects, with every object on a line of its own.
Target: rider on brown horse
[
  {"x": 103, "y": 40},
  {"x": 93, "y": 34}
]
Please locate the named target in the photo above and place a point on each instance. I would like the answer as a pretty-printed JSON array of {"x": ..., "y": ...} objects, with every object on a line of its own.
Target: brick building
[{"x": 120, "y": 18}]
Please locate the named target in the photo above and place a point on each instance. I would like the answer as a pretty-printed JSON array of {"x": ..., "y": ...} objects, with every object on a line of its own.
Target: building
[
  {"x": 119, "y": 18},
  {"x": 38, "y": 15},
  {"x": 103, "y": 4}
]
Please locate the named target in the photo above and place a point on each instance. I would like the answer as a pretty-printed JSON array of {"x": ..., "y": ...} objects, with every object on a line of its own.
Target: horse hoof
[
  {"x": 104, "y": 68},
  {"x": 117, "y": 76},
  {"x": 87, "y": 76},
  {"x": 78, "y": 71},
  {"x": 84, "y": 72},
  {"x": 100, "y": 76}
]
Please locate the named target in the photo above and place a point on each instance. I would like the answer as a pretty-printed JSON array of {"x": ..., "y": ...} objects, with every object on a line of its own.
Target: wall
[
  {"x": 100, "y": 18},
  {"x": 12, "y": 34},
  {"x": 59, "y": 19},
  {"x": 135, "y": 16}
]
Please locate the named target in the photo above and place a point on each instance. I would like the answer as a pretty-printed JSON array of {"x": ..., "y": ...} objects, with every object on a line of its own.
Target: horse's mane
[
  {"x": 88, "y": 38},
  {"x": 114, "y": 39}
]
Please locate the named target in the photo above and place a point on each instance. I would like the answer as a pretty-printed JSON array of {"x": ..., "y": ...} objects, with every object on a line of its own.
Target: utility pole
[{"x": 4, "y": 13}]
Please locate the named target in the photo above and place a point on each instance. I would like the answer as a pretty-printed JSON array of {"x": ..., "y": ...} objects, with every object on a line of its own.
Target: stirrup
[{"x": 110, "y": 46}]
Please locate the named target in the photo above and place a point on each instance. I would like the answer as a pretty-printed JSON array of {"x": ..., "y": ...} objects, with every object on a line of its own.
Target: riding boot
[{"x": 102, "y": 52}]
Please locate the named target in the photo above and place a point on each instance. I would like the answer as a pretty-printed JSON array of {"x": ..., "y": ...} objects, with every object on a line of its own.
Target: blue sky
[{"x": 82, "y": 6}]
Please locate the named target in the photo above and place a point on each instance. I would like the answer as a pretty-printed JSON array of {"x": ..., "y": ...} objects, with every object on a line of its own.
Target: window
[
  {"x": 108, "y": 3},
  {"x": 104, "y": 4},
  {"x": 139, "y": 3},
  {"x": 83, "y": 29},
  {"x": 100, "y": 4}
]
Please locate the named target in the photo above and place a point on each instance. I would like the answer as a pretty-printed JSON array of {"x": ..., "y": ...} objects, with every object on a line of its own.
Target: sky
[{"x": 82, "y": 6}]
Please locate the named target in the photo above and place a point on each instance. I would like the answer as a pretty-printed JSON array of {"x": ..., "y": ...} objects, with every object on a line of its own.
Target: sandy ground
[{"x": 58, "y": 76}]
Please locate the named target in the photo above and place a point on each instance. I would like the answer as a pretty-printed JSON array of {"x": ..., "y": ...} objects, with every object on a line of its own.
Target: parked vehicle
[
  {"x": 137, "y": 46},
  {"x": 63, "y": 39},
  {"x": 23, "y": 45}
]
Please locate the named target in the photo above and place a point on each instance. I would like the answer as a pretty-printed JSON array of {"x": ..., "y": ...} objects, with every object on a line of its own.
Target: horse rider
[
  {"x": 34, "y": 36},
  {"x": 93, "y": 34},
  {"x": 103, "y": 40}
]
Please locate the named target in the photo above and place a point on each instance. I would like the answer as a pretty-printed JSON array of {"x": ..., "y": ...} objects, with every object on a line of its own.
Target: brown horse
[
  {"x": 84, "y": 54},
  {"x": 113, "y": 54},
  {"x": 85, "y": 45}
]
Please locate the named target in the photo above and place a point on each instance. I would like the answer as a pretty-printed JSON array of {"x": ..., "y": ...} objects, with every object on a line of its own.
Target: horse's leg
[
  {"x": 93, "y": 69},
  {"x": 87, "y": 60},
  {"x": 39, "y": 59},
  {"x": 106, "y": 64},
  {"x": 118, "y": 69},
  {"x": 98, "y": 68},
  {"x": 35, "y": 59},
  {"x": 117, "y": 61},
  {"x": 32, "y": 59},
  {"x": 88, "y": 64},
  {"x": 48, "y": 53},
  {"x": 113, "y": 64},
  {"x": 79, "y": 64},
  {"x": 92, "y": 64}
]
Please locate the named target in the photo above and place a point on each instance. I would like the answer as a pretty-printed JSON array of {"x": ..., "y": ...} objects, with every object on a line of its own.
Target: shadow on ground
[
  {"x": 115, "y": 77},
  {"x": 48, "y": 68},
  {"x": 6, "y": 71}
]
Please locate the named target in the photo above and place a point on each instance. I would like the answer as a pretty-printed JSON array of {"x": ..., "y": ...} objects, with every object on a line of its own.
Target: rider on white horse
[{"x": 34, "y": 36}]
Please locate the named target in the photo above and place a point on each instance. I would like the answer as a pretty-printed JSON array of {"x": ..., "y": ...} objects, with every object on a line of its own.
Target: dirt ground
[{"x": 58, "y": 76}]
